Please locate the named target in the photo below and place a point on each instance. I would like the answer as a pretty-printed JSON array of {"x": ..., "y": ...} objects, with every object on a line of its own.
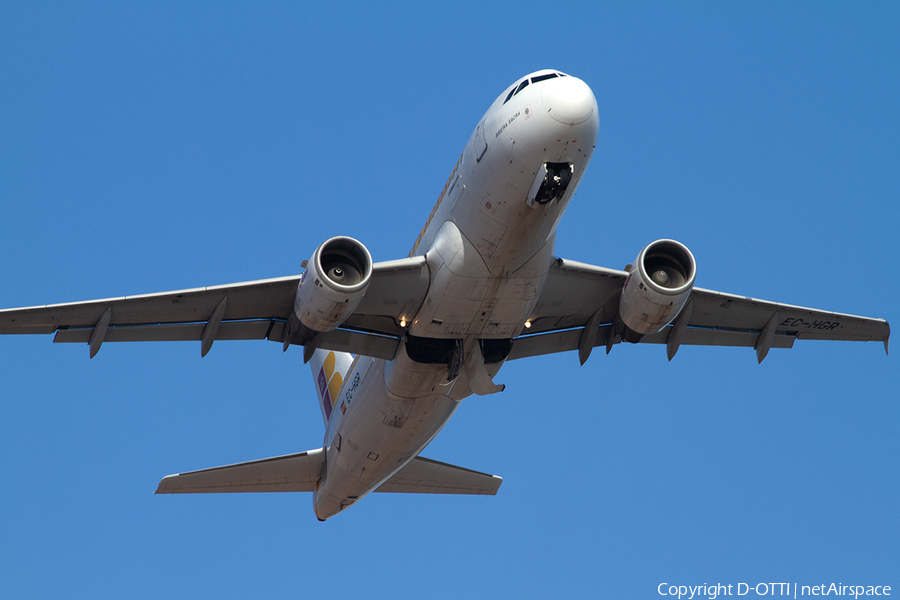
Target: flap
[{"x": 564, "y": 341}]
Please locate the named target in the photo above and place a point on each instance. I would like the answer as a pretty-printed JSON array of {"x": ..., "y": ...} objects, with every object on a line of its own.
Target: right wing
[
  {"x": 578, "y": 297},
  {"x": 239, "y": 311}
]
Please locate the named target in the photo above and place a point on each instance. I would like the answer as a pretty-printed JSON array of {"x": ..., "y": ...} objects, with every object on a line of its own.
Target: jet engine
[
  {"x": 333, "y": 284},
  {"x": 657, "y": 288}
]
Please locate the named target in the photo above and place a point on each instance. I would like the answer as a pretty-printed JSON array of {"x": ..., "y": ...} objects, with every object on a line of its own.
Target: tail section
[
  {"x": 329, "y": 370},
  {"x": 302, "y": 472}
]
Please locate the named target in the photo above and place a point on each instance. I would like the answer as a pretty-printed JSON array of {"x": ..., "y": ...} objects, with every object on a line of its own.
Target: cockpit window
[
  {"x": 524, "y": 83},
  {"x": 521, "y": 87},
  {"x": 515, "y": 91},
  {"x": 544, "y": 77}
]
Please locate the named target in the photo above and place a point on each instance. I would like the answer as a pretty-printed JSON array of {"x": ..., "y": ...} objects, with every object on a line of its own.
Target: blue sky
[{"x": 161, "y": 147}]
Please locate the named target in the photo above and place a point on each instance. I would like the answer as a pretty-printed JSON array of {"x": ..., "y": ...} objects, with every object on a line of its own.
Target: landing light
[
  {"x": 527, "y": 324},
  {"x": 402, "y": 322}
]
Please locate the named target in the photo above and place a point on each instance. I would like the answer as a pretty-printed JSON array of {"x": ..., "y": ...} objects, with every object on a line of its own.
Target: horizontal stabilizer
[
  {"x": 290, "y": 473},
  {"x": 426, "y": 476},
  {"x": 301, "y": 472}
]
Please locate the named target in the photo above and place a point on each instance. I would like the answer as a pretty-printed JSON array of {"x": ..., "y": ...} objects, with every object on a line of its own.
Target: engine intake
[
  {"x": 657, "y": 288},
  {"x": 334, "y": 283}
]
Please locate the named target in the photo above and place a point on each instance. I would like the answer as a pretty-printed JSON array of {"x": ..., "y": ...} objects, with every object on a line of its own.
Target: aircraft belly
[
  {"x": 377, "y": 436},
  {"x": 466, "y": 299}
]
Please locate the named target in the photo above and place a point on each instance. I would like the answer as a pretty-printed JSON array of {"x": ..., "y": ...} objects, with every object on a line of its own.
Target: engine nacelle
[
  {"x": 657, "y": 288},
  {"x": 333, "y": 284}
]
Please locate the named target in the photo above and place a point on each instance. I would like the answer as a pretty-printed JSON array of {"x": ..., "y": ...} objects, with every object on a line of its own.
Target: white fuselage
[{"x": 489, "y": 252}]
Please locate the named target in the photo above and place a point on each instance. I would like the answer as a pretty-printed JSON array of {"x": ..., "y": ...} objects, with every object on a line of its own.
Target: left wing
[
  {"x": 578, "y": 297},
  {"x": 240, "y": 311}
]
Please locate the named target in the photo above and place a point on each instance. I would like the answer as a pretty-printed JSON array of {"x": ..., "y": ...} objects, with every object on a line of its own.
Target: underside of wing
[
  {"x": 580, "y": 305},
  {"x": 573, "y": 293},
  {"x": 727, "y": 311},
  {"x": 241, "y": 311},
  {"x": 264, "y": 299}
]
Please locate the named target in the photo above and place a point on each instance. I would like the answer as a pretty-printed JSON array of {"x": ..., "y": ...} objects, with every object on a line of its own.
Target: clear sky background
[{"x": 161, "y": 147}]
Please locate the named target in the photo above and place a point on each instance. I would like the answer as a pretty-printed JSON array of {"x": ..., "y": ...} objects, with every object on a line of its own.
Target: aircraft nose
[{"x": 569, "y": 100}]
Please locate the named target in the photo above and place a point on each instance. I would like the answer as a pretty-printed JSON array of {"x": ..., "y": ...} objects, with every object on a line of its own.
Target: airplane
[{"x": 395, "y": 346}]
